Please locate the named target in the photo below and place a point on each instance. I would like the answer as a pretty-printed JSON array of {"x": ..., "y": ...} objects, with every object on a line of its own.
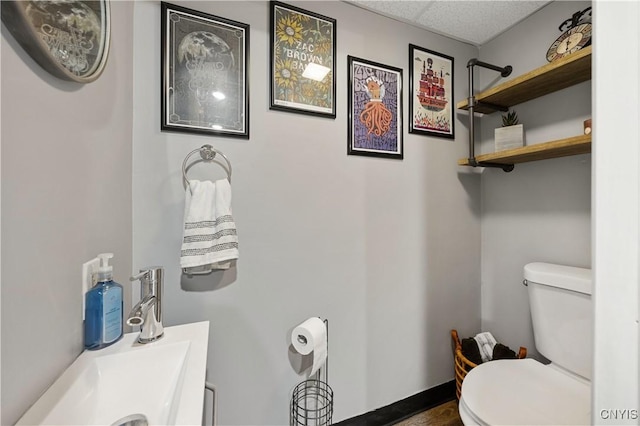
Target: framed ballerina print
[
  {"x": 431, "y": 93},
  {"x": 375, "y": 109}
]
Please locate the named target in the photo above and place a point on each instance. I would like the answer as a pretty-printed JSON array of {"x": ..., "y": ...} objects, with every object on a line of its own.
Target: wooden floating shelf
[
  {"x": 542, "y": 151},
  {"x": 557, "y": 75}
]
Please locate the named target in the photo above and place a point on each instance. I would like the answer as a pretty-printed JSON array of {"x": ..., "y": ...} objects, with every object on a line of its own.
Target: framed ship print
[
  {"x": 204, "y": 73},
  {"x": 69, "y": 39},
  {"x": 302, "y": 61},
  {"x": 431, "y": 108},
  {"x": 375, "y": 109}
]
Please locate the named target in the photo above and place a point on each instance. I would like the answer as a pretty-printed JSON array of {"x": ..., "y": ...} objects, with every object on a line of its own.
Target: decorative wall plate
[{"x": 68, "y": 38}]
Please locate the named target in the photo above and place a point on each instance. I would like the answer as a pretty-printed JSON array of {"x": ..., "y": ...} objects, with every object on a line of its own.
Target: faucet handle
[
  {"x": 151, "y": 279},
  {"x": 139, "y": 276},
  {"x": 153, "y": 273}
]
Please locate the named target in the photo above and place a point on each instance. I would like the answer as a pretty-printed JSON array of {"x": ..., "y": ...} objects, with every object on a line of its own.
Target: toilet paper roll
[{"x": 311, "y": 337}]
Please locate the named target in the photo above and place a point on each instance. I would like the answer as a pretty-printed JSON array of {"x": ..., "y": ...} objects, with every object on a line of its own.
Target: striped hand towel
[
  {"x": 486, "y": 342},
  {"x": 210, "y": 239}
]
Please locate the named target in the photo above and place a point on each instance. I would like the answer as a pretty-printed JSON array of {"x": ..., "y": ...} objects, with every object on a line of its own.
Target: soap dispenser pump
[{"x": 103, "y": 308}]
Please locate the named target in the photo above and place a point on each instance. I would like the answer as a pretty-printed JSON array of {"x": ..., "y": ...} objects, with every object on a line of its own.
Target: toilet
[{"x": 528, "y": 392}]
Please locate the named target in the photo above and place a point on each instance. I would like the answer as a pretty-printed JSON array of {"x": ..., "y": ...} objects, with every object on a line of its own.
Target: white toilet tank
[{"x": 562, "y": 314}]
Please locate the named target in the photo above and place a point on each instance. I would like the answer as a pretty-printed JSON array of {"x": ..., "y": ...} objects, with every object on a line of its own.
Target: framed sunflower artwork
[
  {"x": 302, "y": 51},
  {"x": 375, "y": 109},
  {"x": 204, "y": 73}
]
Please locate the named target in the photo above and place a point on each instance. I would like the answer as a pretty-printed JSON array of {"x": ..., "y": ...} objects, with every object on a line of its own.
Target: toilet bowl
[
  {"x": 524, "y": 392},
  {"x": 527, "y": 392}
]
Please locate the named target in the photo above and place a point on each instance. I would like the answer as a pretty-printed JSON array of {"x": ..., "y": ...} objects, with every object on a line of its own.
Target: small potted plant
[{"x": 511, "y": 134}]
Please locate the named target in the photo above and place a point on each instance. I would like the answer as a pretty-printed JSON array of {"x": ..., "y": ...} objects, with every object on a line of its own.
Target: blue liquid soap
[{"x": 103, "y": 308}]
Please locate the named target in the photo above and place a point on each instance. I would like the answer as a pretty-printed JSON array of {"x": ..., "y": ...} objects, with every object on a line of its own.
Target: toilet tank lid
[{"x": 565, "y": 277}]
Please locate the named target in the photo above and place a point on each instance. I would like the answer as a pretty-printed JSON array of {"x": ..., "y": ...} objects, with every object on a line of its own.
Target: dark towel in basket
[
  {"x": 501, "y": 351},
  {"x": 471, "y": 351}
]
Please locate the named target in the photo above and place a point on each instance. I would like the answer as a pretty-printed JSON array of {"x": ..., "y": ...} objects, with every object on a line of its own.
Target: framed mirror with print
[{"x": 69, "y": 39}]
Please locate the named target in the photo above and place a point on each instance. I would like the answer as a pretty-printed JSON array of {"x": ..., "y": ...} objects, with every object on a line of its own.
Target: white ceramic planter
[{"x": 509, "y": 137}]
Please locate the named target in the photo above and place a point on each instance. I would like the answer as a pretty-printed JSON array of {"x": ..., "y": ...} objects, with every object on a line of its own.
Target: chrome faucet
[{"x": 148, "y": 312}]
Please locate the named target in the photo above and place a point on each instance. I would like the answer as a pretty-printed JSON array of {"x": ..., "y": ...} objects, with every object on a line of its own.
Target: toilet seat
[{"x": 523, "y": 392}]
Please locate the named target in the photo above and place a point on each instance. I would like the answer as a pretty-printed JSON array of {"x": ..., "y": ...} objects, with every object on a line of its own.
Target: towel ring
[{"x": 207, "y": 153}]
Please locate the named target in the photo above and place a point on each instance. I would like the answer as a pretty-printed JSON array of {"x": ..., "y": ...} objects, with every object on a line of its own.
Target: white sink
[{"x": 164, "y": 381}]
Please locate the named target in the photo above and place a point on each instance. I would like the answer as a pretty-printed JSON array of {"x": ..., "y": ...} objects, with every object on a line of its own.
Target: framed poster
[
  {"x": 375, "y": 109},
  {"x": 302, "y": 68},
  {"x": 204, "y": 73},
  {"x": 69, "y": 39},
  {"x": 431, "y": 108}
]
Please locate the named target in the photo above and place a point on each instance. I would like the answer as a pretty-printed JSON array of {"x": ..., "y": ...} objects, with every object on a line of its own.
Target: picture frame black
[
  {"x": 301, "y": 44},
  {"x": 375, "y": 123},
  {"x": 70, "y": 40},
  {"x": 205, "y": 68},
  {"x": 431, "y": 102}
]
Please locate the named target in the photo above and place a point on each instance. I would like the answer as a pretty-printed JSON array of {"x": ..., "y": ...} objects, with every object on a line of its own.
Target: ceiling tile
[
  {"x": 402, "y": 9},
  {"x": 475, "y": 22}
]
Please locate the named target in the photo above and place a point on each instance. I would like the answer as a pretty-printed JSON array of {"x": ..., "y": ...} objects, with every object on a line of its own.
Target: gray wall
[
  {"x": 387, "y": 250},
  {"x": 66, "y": 196},
  {"x": 540, "y": 212}
]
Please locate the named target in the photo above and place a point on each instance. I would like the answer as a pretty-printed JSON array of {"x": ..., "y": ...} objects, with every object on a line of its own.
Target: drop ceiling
[{"x": 474, "y": 22}]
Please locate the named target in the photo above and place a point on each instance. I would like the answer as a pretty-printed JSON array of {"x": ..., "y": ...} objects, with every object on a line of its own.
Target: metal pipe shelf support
[{"x": 504, "y": 72}]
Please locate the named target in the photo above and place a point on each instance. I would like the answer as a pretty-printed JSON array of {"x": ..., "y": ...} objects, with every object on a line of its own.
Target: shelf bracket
[
  {"x": 505, "y": 167},
  {"x": 504, "y": 72}
]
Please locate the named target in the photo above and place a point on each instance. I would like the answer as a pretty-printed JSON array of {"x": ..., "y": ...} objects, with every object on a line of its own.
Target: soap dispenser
[{"x": 103, "y": 308}]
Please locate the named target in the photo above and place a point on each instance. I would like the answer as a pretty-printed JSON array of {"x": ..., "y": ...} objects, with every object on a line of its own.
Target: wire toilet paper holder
[{"x": 312, "y": 399}]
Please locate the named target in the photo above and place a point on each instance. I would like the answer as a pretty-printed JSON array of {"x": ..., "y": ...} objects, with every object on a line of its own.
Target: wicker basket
[{"x": 462, "y": 365}]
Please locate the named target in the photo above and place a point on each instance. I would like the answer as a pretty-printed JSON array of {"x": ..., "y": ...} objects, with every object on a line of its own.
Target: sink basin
[{"x": 162, "y": 381}]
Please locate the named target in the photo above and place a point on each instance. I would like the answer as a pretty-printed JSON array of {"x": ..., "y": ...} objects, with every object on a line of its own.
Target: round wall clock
[
  {"x": 570, "y": 41},
  {"x": 69, "y": 39},
  {"x": 576, "y": 35}
]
